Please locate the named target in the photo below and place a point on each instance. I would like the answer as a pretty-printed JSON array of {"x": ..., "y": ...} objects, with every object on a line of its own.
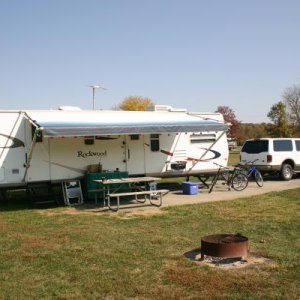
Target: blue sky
[{"x": 189, "y": 54}]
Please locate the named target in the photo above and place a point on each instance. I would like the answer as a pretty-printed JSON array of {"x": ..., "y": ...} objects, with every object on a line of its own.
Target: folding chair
[{"x": 72, "y": 192}]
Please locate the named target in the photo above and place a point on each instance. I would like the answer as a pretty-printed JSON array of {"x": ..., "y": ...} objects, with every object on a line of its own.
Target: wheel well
[{"x": 290, "y": 162}]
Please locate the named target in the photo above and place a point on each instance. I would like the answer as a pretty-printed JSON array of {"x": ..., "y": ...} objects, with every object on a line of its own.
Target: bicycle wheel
[
  {"x": 258, "y": 178},
  {"x": 239, "y": 182}
]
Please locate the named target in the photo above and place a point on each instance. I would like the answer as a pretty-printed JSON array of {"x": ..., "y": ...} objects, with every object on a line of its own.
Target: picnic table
[{"x": 138, "y": 186}]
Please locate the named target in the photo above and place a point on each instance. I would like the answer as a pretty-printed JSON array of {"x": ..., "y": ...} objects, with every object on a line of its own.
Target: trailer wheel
[{"x": 286, "y": 172}]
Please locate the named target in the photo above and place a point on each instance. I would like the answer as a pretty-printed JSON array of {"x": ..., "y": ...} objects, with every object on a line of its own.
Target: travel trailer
[{"x": 55, "y": 145}]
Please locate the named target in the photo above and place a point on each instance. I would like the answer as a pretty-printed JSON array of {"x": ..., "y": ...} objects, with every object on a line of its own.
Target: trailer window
[
  {"x": 89, "y": 140},
  {"x": 134, "y": 137},
  {"x": 154, "y": 142},
  {"x": 202, "y": 138}
]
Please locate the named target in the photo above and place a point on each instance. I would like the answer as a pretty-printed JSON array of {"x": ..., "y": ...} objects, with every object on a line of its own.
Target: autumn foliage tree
[
  {"x": 135, "y": 103},
  {"x": 279, "y": 117},
  {"x": 229, "y": 117}
]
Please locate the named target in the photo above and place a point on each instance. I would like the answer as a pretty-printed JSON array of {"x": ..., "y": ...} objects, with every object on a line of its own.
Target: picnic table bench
[{"x": 154, "y": 195}]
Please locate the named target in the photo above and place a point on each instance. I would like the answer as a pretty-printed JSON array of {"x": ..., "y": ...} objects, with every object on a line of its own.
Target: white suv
[{"x": 273, "y": 155}]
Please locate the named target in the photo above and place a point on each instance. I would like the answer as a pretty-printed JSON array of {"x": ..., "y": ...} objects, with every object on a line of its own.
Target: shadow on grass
[{"x": 21, "y": 199}]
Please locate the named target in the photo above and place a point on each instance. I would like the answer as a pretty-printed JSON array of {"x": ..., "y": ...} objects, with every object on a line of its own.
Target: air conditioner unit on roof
[{"x": 159, "y": 107}]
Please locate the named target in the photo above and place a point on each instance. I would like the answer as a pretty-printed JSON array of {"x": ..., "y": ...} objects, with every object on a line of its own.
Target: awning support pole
[
  {"x": 37, "y": 130},
  {"x": 29, "y": 157}
]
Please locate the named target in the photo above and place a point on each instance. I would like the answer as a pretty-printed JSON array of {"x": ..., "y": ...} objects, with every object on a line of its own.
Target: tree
[
  {"x": 252, "y": 131},
  {"x": 291, "y": 97},
  {"x": 135, "y": 103},
  {"x": 280, "y": 126},
  {"x": 229, "y": 117}
]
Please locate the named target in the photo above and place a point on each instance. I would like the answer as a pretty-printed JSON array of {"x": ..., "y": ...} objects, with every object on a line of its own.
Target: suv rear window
[
  {"x": 254, "y": 147},
  {"x": 282, "y": 145}
]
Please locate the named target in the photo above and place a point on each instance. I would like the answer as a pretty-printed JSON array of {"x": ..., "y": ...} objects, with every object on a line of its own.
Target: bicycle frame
[{"x": 251, "y": 170}]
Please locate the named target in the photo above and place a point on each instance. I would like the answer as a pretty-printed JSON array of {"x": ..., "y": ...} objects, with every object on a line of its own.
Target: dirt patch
[
  {"x": 139, "y": 213},
  {"x": 82, "y": 210},
  {"x": 92, "y": 210},
  {"x": 225, "y": 263}
]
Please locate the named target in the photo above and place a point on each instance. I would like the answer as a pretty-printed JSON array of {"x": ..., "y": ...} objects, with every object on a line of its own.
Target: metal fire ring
[{"x": 224, "y": 245}]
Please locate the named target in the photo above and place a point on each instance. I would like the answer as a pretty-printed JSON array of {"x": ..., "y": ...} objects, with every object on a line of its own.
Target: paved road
[{"x": 220, "y": 192}]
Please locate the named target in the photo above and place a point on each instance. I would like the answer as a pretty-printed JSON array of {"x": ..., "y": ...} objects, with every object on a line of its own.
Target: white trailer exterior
[{"x": 56, "y": 145}]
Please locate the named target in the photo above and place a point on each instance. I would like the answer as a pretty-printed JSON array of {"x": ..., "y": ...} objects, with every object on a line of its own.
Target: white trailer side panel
[
  {"x": 39, "y": 169},
  {"x": 68, "y": 158},
  {"x": 159, "y": 152},
  {"x": 12, "y": 148},
  {"x": 197, "y": 151}
]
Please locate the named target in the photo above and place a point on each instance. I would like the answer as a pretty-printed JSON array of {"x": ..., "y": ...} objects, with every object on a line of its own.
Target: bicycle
[
  {"x": 233, "y": 179},
  {"x": 251, "y": 171}
]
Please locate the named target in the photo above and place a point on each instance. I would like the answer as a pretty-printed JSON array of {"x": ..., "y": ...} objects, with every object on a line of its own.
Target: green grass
[
  {"x": 50, "y": 254},
  {"x": 234, "y": 157}
]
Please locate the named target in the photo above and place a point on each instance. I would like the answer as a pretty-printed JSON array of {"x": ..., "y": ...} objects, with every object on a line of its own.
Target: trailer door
[{"x": 135, "y": 154}]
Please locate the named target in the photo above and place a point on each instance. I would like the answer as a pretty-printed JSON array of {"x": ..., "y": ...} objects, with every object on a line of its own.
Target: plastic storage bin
[{"x": 190, "y": 188}]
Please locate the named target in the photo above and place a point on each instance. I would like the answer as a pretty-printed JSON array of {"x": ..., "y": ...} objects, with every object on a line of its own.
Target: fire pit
[{"x": 224, "y": 245}]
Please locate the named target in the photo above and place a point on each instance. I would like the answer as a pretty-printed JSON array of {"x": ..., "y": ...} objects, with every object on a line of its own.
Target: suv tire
[{"x": 286, "y": 172}]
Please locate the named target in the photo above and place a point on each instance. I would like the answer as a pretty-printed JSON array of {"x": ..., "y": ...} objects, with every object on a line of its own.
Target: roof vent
[{"x": 70, "y": 108}]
